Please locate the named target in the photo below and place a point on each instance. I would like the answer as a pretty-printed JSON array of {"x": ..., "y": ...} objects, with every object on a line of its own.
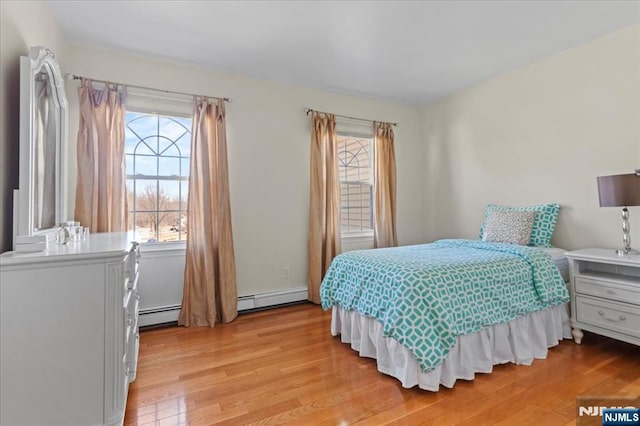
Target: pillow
[
  {"x": 509, "y": 227},
  {"x": 543, "y": 225}
]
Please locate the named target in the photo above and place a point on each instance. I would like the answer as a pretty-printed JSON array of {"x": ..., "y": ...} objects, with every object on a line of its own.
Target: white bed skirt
[{"x": 519, "y": 341}]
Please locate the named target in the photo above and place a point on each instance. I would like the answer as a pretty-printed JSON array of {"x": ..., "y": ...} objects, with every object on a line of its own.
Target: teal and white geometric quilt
[{"x": 427, "y": 295}]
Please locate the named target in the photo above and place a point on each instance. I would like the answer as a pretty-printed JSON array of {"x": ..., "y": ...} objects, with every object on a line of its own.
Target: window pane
[
  {"x": 168, "y": 210},
  {"x": 145, "y": 165},
  {"x": 130, "y": 220},
  {"x": 153, "y": 142},
  {"x": 142, "y": 124},
  {"x": 172, "y": 128},
  {"x": 184, "y": 171},
  {"x": 169, "y": 166},
  {"x": 130, "y": 184},
  {"x": 184, "y": 194},
  {"x": 169, "y": 194},
  {"x": 130, "y": 141},
  {"x": 147, "y": 146},
  {"x": 355, "y": 207},
  {"x": 130, "y": 214},
  {"x": 167, "y": 147},
  {"x": 184, "y": 144},
  {"x": 144, "y": 231},
  {"x": 128, "y": 164},
  {"x": 170, "y": 226},
  {"x": 184, "y": 185},
  {"x": 146, "y": 194},
  {"x": 145, "y": 206}
]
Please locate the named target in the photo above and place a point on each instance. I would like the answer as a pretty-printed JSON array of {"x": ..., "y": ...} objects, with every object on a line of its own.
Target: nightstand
[{"x": 605, "y": 294}]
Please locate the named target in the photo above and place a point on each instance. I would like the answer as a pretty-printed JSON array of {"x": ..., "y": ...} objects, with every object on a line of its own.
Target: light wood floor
[{"x": 283, "y": 367}]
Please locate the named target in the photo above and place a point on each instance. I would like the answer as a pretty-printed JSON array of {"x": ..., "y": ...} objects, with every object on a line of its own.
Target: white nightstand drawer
[
  {"x": 610, "y": 315},
  {"x": 608, "y": 290}
]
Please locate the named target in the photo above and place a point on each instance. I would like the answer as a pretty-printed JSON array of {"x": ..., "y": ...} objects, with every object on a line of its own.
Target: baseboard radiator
[{"x": 169, "y": 313}]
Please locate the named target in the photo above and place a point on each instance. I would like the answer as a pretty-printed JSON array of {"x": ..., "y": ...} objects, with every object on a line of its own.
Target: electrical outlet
[{"x": 286, "y": 272}]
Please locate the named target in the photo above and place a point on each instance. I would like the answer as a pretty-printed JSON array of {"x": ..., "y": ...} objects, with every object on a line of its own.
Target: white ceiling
[{"x": 406, "y": 51}]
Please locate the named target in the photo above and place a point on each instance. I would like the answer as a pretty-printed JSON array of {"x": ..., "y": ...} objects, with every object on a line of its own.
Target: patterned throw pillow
[
  {"x": 543, "y": 225},
  {"x": 509, "y": 227}
]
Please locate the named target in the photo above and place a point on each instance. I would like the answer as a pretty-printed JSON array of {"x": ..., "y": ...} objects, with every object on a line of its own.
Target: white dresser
[
  {"x": 605, "y": 294},
  {"x": 69, "y": 332}
]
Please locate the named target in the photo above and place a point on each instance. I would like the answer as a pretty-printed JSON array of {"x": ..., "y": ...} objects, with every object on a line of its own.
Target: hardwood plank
[{"x": 283, "y": 367}]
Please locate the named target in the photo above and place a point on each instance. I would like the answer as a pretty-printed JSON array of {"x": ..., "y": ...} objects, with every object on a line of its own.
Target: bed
[{"x": 434, "y": 313}]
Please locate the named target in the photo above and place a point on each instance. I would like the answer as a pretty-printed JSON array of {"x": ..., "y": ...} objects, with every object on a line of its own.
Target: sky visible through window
[{"x": 157, "y": 134}]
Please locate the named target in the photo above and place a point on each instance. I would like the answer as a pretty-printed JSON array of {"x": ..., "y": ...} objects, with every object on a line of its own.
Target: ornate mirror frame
[{"x": 43, "y": 141}]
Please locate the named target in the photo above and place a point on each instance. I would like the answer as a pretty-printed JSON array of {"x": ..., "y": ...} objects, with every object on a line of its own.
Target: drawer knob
[{"x": 620, "y": 318}]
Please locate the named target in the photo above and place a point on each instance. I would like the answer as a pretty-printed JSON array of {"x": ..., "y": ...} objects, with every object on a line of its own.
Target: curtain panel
[
  {"x": 324, "y": 203},
  {"x": 384, "y": 183},
  {"x": 101, "y": 201},
  {"x": 209, "y": 293}
]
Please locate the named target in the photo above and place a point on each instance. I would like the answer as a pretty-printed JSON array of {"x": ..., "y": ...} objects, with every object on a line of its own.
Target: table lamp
[{"x": 621, "y": 191}]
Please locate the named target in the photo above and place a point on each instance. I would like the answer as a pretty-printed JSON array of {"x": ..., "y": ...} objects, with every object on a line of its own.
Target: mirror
[{"x": 40, "y": 202}]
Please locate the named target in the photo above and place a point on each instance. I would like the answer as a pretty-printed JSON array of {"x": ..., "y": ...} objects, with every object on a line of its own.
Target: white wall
[
  {"x": 22, "y": 25},
  {"x": 268, "y": 141},
  {"x": 536, "y": 135}
]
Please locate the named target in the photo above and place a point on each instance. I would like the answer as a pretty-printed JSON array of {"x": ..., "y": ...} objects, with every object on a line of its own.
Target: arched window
[
  {"x": 157, "y": 149},
  {"x": 355, "y": 164}
]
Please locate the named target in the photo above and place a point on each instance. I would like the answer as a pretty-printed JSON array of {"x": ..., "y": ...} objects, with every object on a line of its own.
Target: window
[
  {"x": 157, "y": 149},
  {"x": 355, "y": 170}
]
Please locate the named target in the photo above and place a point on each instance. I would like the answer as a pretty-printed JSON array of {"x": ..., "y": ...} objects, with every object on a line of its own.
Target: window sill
[
  {"x": 355, "y": 235},
  {"x": 160, "y": 247},
  {"x": 357, "y": 241}
]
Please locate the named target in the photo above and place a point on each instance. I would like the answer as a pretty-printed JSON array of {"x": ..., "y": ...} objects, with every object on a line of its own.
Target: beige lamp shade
[{"x": 619, "y": 190}]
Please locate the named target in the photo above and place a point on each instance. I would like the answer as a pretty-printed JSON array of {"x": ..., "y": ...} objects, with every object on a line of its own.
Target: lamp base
[
  {"x": 626, "y": 236},
  {"x": 627, "y": 252}
]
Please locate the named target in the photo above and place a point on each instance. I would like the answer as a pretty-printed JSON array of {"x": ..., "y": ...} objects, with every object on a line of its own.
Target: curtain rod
[
  {"x": 69, "y": 76},
  {"x": 309, "y": 110}
]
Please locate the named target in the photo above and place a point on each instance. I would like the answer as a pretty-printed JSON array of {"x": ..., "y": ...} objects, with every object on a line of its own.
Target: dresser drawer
[
  {"x": 618, "y": 317},
  {"x": 607, "y": 290}
]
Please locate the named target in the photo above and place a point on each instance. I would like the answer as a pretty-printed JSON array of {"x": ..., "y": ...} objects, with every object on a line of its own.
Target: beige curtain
[
  {"x": 209, "y": 294},
  {"x": 384, "y": 183},
  {"x": 101, "y": 201},
  {"x": 324, "y": 204}
]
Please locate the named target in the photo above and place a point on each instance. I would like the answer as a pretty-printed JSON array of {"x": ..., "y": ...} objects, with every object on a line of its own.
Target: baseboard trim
[
  {"x": 168, "y": 314},
  {"x": 279, "y": 297},
  {"x": 159, "y": 315}
]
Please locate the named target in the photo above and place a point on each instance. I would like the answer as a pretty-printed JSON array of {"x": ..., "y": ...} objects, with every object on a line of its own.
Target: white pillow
[{"x": 509, "y": 227}]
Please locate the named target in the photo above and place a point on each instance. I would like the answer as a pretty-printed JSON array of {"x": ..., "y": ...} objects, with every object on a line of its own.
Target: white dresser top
[{"x": 98, "y": 245}]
